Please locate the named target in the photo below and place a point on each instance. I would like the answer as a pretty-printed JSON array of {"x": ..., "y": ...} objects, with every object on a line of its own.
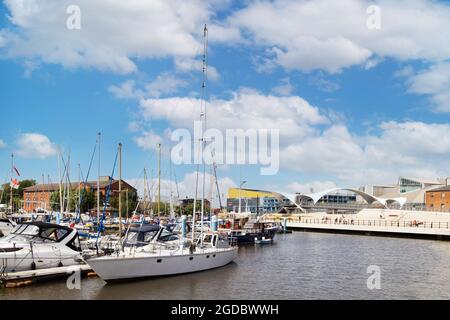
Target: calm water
[{"x": 296, "y": 266}]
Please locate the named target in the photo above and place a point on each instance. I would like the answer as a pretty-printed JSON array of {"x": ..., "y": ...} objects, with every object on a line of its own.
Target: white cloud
[
  {"x": 164, "y": 84},
  {"x": 292, "y": 115},
  {"x": 148, "y": 140},
  {"x": 2, "y": 144},
  {"x": 400, "y": 148},
  {"x": 126, "y": 90},
  {"x": 187, "y": 64},
  {"x": 323, "y": 84},
  {"x": 310, "y": 187},
  {"x": 35, "y": 145},
  {"x": 434, "y": 82},
  {"x": 327, "y": 35},
  {"x": 285, "y": 88},
  {"x": 113, "y": 33}
]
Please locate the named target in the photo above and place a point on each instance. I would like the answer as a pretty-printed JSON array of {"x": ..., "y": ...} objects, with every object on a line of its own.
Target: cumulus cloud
[
  {"x": 35, "y": 145},
  {"x": 292, "y": 115},
  {"x": 285, "y": 88},
  {"x": 126, "y": 90},
  {"x": 400, "y": 148},
  {"x": 309, "y": 187},
  {"x": 148, "y": 140},
  {"x": 164, "y": 84},
  {"x": 2, "y": 144},
  {"x": 435, "y": 83},
  {"x": 186, "y": 187},
  {"x": 331, "y": 36},
  {"x": 113, "y": 33}
]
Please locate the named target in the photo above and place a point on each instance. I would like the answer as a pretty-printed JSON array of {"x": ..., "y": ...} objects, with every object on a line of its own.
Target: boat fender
[
  {"x": 33, "y": 265},
  {"x": 60, "y": 264}
]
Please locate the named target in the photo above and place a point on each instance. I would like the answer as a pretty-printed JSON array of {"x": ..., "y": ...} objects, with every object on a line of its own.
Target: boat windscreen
[{"x": 27, "y": 232}]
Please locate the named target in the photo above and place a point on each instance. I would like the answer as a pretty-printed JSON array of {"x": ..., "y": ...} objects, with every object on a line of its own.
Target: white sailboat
[{"x": 210, "y": 250}]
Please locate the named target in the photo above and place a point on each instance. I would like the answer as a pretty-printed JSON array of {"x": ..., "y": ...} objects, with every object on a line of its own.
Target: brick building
[
  {"x": 38, "y": 196},
  {"x": 438, "y": 199}
]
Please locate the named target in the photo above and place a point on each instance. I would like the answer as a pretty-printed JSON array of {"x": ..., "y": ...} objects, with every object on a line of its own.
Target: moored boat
[
  {"x": 163, "y": 259},
  {"x": 39, "y": 245}
]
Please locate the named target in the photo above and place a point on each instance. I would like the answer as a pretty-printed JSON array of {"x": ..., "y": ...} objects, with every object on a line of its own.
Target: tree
[
  {"x": 17, "y": 193},
  {"x": 132, "y": 202},
  {"x": 88, "y": 200},
  {"x": 188, "y": 209}
]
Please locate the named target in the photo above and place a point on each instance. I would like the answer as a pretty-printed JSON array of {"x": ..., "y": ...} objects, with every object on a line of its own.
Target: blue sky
[{"x": 381, "y": 95}]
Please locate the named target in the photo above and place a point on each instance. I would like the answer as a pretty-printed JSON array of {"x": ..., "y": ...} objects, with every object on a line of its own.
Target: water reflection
[{"x": 296, "y": 266}]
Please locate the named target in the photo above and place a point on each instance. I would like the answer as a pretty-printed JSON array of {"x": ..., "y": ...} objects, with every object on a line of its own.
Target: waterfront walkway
[{"x": 372, "y": 222}]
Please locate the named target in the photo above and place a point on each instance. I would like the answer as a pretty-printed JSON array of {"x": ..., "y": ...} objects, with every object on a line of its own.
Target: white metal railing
[{"x": 366, "y": 222}]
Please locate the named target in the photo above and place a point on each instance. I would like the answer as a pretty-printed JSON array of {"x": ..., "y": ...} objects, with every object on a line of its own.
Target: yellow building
[{"x": 255, "y": 201}]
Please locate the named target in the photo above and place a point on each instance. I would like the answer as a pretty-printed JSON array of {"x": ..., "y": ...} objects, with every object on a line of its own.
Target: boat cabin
[{"x": 41, "y": 232}]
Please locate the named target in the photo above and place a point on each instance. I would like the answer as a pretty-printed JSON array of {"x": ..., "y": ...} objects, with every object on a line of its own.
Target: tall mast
[
  {"x": 159, "y": 179},
  {"x": 203, "y": 111},
  {"x": 68, "y": 183},
  {"x": 43, "y": 193},
  {"x": 120, "y": 189},
  {"x": 171, "y": 213},
  {"x": 79, "y": 190},
  {"x": 99, "y": 136},
  {"x": 240, "y": 186},
  {"x": 145, "y": 191},
  {"x": 60, "y": 184},
  {"x": 11, "y": 185}
]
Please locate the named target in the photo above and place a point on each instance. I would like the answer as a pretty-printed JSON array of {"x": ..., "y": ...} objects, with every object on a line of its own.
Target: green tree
[
  {"x": 132, "y": 202},
  {"x": 189, "y": 208},
  {"x": 17, "y": 193}
]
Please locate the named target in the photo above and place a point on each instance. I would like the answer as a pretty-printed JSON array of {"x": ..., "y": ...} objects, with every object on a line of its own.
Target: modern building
[
  {"x": 414, "y": 190},
  {"x": 38, "y": 196},
  {"x": 255, "y": 201},
  {"x": 438, "y": 199},
  {"x": 338, "y": 197},
  {"x": 408, "y": 193}
]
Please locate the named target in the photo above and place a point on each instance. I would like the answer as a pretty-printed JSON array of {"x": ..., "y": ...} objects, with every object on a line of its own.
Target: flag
[
  {"x": 14, "y": 184},
  {"x": 17, "y": 171}
]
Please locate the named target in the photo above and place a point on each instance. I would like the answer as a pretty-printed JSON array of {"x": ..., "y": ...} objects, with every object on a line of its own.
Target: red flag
[
  {"x": 17, "y": 171},
  {"x": 14, "y": 184}
]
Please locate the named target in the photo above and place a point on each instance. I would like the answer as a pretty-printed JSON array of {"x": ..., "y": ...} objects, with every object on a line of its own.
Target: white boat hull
[
  {"x": 43, "y": 257},
  {"x": 125, "y": 267}
]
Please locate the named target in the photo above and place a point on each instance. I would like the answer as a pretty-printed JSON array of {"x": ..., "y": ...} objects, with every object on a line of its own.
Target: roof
[
  {"x": 252, "y": 193},
  {"x": 446, "y": 188},
  {"x": 424, "y": 180},
  {"x": 47, "y": 225},
  {"x": 74, "y": 185},
  {"x": 414, "y": 196},
  {"x": 315, "y": 197}
]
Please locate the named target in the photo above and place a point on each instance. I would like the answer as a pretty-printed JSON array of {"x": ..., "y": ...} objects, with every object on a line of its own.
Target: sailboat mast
[
  {"x": 60, "y": 184},
  {"x": 120, "y": 189},
  {"x": 79, "y": 190},
  {"x": 145, "y": 192},
  {"x": 204, "y": 70},
  {"x": 11, "y": 184},
  {"x": 159, "y": 179},
  {"x": 99, "y": 136}
]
